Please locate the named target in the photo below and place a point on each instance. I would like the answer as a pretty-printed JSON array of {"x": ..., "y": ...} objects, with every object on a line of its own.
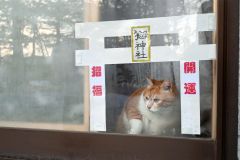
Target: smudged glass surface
[{"x": 39, "y": 81}]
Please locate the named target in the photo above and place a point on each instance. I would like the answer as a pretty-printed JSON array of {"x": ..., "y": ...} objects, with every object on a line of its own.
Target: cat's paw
[{"x": 136, "y": 126}]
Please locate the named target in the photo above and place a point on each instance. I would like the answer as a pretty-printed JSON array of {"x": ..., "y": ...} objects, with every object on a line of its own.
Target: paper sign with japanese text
[
  {"x": 141, "y": 44},
  {"x": 141, "y": 51},
  {"x": 97, "y": 98},
  {"x": 190, "y": 97}
]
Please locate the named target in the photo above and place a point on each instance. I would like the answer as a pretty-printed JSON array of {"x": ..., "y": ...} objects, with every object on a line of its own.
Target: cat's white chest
[
  {"x": 155, "y": 126},
  {"x": 160, "y": 123}
]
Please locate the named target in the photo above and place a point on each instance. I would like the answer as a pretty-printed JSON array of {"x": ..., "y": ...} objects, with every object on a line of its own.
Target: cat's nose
[{"x": 149, "y": 107}]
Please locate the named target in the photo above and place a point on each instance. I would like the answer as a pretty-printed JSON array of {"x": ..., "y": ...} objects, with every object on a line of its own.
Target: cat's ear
[{"x": 149, "y": 81}]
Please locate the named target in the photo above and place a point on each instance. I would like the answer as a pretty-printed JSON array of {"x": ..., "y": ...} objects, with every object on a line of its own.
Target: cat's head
[{"x": 159, "y": 94}]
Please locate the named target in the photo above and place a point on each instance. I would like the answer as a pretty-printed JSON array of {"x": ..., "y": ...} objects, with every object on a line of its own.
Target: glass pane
[
  {"x": 44, "y": 84},
  {"x": 40, "y": 86}
]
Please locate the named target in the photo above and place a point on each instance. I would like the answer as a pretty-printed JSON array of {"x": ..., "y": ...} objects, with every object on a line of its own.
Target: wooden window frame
[{"x": 75, "y": 145}]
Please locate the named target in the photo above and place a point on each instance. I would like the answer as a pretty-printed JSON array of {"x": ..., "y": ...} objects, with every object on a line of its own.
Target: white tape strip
[
  {"x": 190, "y": 97},
  {"x": 160, "y": 25},
  {"x": 97, "y": 98},
  {"x": 186, "y": 26},
  {"x": 158, "y": 54}
]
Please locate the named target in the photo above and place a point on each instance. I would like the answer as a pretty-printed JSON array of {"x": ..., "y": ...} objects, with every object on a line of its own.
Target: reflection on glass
[{"x": 39, "y": 82}]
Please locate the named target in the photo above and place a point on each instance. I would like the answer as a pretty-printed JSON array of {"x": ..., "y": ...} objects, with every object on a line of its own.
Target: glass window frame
[{"x": 75, "y": 145}]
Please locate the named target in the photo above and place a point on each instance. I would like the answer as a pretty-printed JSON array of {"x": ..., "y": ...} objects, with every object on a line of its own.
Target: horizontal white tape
[
  {"x": 160, "y": 25},
  {"x": 187, "y": 28},
  {"x": 158, "y": 54}
]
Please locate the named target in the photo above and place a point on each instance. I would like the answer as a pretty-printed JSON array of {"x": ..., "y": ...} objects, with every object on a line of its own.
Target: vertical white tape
[
  {"x": 97, "y": 98},
  {"x": 190, "y": 97}
]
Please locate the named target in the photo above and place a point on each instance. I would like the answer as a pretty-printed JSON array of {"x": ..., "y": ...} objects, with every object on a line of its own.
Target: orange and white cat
[{"x": 151, "y": 110}]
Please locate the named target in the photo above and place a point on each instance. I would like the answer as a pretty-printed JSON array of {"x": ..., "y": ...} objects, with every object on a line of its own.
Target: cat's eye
[
  {"x": 167, "y": 87},
  {"x": 147, "y": 98},
  {"x": 156, "y": 100}
]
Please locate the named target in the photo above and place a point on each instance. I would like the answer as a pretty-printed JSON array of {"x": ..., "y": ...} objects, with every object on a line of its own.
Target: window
[{"x": 114, "y": 68}]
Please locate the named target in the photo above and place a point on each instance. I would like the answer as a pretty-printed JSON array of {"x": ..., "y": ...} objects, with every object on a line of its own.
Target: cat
[{"x": 151, "y": 110}]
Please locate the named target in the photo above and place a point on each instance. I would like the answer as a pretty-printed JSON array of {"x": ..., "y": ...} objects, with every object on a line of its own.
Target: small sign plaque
[{"x": 141, "y": 44}]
